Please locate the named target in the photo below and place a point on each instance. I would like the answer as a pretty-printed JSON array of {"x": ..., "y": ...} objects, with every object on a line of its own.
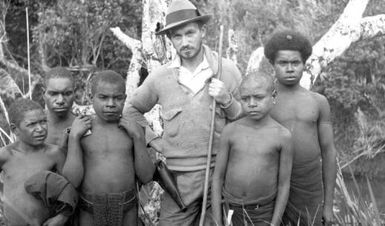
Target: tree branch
[{"x": 339, "y": 37}]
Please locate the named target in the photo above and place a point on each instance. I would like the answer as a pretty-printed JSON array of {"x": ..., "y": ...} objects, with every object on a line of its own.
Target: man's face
[
  {"x": 108, "y": 101},
  {"x": 256, "y": 100},
  {"x": 187, "y": 40},
  {"x": 288, "y": 66},
  {"x": 32, "y": 129},
  {"x": 59, "y": 96}
]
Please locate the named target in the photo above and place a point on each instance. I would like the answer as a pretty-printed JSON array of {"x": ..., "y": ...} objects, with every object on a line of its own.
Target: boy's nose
[
  {"x": 39, "y": 127},
  {"x": 252, "y": 102},
  {"x": 60, "y": 99},
  {"x": 111, "y": 103},
  {"x": 290, "y": 67}
]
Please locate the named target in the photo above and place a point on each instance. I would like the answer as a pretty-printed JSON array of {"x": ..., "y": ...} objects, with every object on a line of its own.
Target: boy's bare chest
[
  {"x": 102, "y": 142},
  {"x": 23, "y": 166},
  {"x": 296, "y": 110},
  {"x": 257, "y": 143}
]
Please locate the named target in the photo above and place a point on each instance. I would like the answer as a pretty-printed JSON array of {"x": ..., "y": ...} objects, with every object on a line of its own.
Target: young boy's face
[
  {"x": 32, "y": 129},
  {"x": 288, "y": 66},
  {"x": 256, "y": 100},
  {"x": 59, "y": 95},
  {"x": 108, "y": 101}
]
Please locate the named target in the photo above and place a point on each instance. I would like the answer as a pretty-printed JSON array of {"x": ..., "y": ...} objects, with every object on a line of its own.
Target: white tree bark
[
  {"x": 135, "y": 46},
  {"x": 344, "y": 31},
  {"x": 8, "y": 85},
  {"x": 349, "y": 28}
]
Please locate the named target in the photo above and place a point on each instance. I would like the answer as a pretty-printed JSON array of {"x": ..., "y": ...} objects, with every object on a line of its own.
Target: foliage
[
  {"x": 350, "y": 206},
  {"x": 254, "y": 21},
  {"x": 80, "y": 36},
  {"x": 355, "y": 85}
]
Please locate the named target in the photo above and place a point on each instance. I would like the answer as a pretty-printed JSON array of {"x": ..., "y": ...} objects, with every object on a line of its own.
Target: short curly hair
[
  {"x": 107, "y": 76},
  {"x": 58, "y": 72},
  {"x": 253, "y": 78},
  {"x": 18, "y": 109}
]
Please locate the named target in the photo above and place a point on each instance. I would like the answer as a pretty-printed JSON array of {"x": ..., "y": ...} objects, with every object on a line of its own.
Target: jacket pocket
[{"x": 171, "y": 122}]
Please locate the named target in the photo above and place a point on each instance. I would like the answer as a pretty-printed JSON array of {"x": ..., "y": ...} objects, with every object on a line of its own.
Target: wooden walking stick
[{"x": 212, "y": 129}]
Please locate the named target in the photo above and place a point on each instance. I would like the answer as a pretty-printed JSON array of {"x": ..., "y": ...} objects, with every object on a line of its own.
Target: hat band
[{"x": 181, "y": 15}]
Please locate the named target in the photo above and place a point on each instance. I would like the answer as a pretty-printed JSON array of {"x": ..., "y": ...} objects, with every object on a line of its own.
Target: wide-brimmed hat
[{"x": 182, "y": 12}]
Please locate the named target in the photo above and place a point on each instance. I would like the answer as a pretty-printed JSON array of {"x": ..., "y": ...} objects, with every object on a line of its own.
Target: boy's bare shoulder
[
  {"x": 281, "y": 130},
  {"x": 53, "y": 150},
  {"x": 229, "y": 128},
  {"x": 6, "y": 151}
]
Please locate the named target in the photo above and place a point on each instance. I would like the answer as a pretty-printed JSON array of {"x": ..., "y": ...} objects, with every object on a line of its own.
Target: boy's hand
[
  {"x": 218, "y": 91},
  {"x": 81, "y": 125},
  {"x": 58, "y": 220},
  {"x": 133, "y": 129}
]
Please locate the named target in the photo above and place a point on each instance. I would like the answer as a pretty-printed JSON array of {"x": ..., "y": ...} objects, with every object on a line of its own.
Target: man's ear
[{"x": 204, "y": 30}]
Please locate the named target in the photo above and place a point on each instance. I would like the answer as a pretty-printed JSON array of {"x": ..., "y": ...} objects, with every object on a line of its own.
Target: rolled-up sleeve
[{"x": 232, "y": 81}]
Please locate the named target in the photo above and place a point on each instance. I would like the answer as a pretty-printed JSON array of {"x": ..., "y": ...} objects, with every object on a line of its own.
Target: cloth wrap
[
  {"x": 256, "y": 212},
  {"x": 55, "y": 191},
  {"x": 108, "y": 209},
  {"x": 305, "y": 204}
]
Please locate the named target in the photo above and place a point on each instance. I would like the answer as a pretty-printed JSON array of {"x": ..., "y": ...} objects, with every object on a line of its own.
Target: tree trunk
[{"x": 340, "y": 36}]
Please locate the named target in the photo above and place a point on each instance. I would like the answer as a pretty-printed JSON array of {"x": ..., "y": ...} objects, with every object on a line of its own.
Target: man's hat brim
[{"x": 204, "y": 19}]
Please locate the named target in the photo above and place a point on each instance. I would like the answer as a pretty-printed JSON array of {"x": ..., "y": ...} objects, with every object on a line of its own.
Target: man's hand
[
  {"x": 327, "y": 216},
  {"x": 218, "y": 91},
  {"x": 58, "y": 220},
  {"x": 80, "y": 125},
  {"x": 133, "y": 129}
]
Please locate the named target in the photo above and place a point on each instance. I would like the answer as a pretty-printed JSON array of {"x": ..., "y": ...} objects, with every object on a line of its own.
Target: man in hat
[
  {"x": 307, "y": 115},
  {"x": 185, "y": 88}
]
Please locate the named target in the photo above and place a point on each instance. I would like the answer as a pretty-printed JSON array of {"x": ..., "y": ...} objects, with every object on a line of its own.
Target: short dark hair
[
  {"x": 287, "y": 40},
  {"x": 58, "y": 72},
  {"x": 107, "y": 76},
  {"x": 18, "y": 109},
  {"x": 254, "y": 77}
]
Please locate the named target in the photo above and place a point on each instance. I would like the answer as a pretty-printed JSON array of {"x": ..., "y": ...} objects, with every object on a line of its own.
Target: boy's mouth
[
  {"x": 40, "y": 137},
  {"x": 60, "y": 109}
]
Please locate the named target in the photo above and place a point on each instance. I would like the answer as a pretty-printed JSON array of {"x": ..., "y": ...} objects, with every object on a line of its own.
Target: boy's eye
[
  {"x": 51, "y": 93},
  {"x": 68, "y": 93}
]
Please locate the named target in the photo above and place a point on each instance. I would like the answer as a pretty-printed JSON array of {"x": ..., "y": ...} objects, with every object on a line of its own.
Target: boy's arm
[
  {"x": 285, "y": 166},
  {"x": 219, "y": 174},
  {"x": 73, "y": 167},
  {"x": 329, "y": 161},
  {"x": 144, "y": 167},
  {"x": 4, "y": 154},
  {"x": 59, "y": 158}
]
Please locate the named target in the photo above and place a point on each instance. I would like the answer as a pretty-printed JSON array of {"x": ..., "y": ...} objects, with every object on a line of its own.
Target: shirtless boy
[
  {"x": 24, "y": 158},
  {"x": 106, "y": 163},
  {"x": 253, "y": 166},
  {"x": 59, "y": 97},
  {"x": 307, "y": 115}
]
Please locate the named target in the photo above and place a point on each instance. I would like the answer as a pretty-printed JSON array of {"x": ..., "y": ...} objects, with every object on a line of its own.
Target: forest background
[{"x": 76, "y": 34}]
